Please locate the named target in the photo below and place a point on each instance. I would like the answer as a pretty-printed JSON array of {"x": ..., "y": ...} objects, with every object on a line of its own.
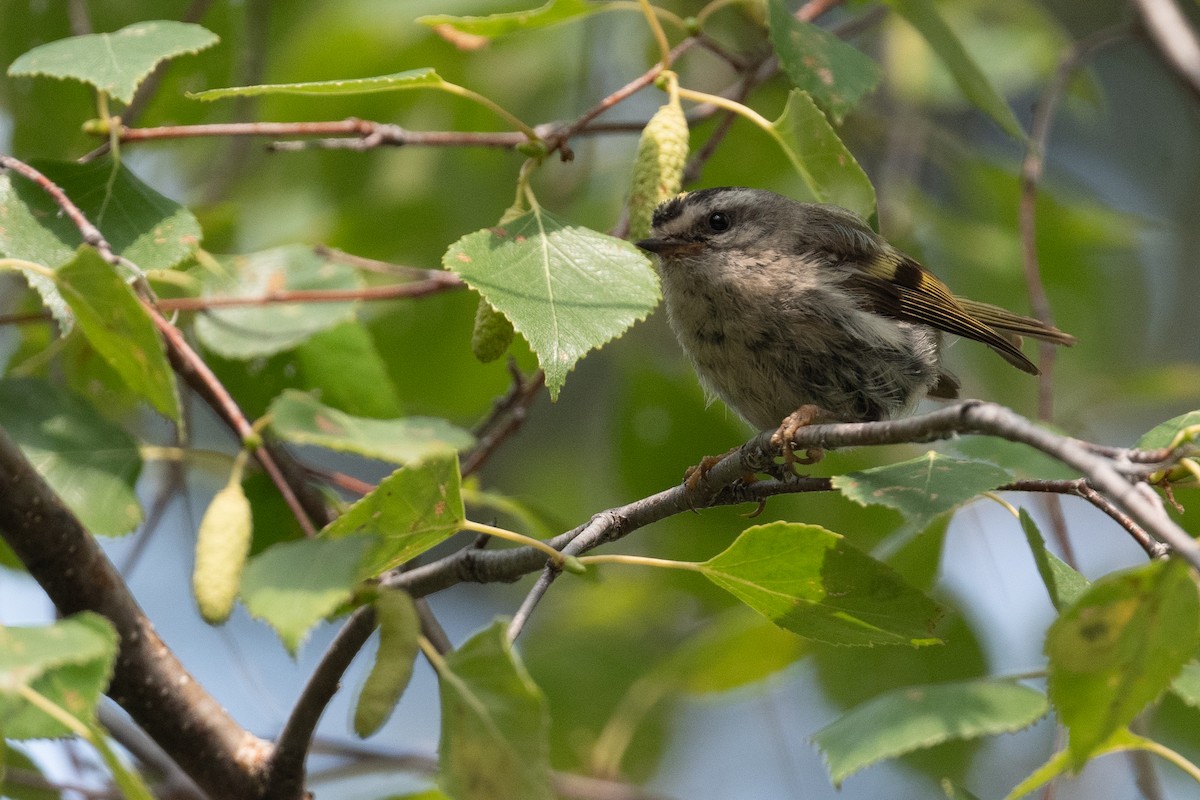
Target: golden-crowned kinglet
[{"x": 781, "y": 304}]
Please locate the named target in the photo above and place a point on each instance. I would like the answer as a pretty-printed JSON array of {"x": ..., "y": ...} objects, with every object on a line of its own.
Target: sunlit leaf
[
  {"x": 495, "y": 724},
  {"x": 834, "y": 73},
  {"x": 1186, "y": 685},
  {"x": 1118, "y": 648},
  {"x": 92, "y": 464},
  {"x": 917, "y": 717},
  {"x": 68, "y": 662},
  {"x": 294, "y": 585},
  {"x": 1163, "y": 434},
  {"x": 495, "y": 25},
  {"x": 140, "y": 224},
  {"x": 812, "y": 582},
  {"x": 817, "y": 153},
  {"x": 567, "y": 289},
  {"x": 298, "y": 417},
  {"x": 115, "y": 63},
  {"x": 251, "y": 331},
  {"x": 117, "y": 326},
  {"x": 410, "y": 511},
  {"x": 409, "y": 79},
  {"x": 399, "y": 631},
  {"x": 923, "y": 487}
]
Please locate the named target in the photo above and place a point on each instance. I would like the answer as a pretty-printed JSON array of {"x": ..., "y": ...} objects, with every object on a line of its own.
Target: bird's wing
[{"x": 896, "y": 286}]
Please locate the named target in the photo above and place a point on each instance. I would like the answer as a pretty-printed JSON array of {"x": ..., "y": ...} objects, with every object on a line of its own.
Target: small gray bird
[{"x": 783, "y": 305}]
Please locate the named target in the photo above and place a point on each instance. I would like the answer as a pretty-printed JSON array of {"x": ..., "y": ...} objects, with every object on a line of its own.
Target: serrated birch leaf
[
  {"x": 567, "y": 289},
  {"x": 410, "y": 511},
  {"x": 496, "y": 25},
  {"x": 68, "y": 662},
  {"x": 812, "y": 582},
  {"x": 89, "y": 461},
  {"x": 245, "y": 332},
  {"x": 424, "y": 77},
  {"x": 1163, "y": 434},
  {"x": 975, "y": 86},
  {"x": 118, "y": 328},
  {"x": 115, "y": 63},
  {"x": 1118, "y": 648},
  {"x": 399, "y": 633},
  {"x": 495, "y": 723},
  {"x": 817, "y": 153},
  {"x": 294, "y": 585},
  {"x": 917, "y": 717},
  {"x": 298, "y": 417},
  {"x": 923, "y": 487},
  {"x": 834, "y": 73}
]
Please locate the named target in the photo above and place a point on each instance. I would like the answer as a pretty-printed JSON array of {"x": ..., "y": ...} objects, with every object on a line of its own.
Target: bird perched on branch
[{"x": 794, "y": 313}]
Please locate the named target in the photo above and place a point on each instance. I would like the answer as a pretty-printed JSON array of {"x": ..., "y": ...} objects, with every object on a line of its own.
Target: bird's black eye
[{"x": 719, "y": 222}]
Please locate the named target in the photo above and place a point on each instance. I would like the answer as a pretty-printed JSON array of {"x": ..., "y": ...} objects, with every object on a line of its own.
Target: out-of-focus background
[{"x": 1117, "y": 241}]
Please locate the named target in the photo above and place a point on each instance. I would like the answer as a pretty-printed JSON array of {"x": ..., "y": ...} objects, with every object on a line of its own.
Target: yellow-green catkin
[
  {"x": 658, "y": 167},
  {"x": 493, "y": 333}
]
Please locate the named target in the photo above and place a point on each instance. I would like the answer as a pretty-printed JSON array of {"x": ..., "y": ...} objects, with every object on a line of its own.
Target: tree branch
[
  {"x": 1173, "y": 35},
  {"x": 148, "y": 680}
]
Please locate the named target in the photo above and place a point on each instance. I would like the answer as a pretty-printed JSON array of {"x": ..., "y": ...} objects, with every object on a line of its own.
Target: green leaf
[
  {"x": 294, "y": 585},
  {"x": 1063, "y": 583},
  {"x": 69, "y": 662},
  {"x": 923, "y": 487},
  {"x": 344, "y": 366},
  {"x": 496, "y": 25},
  {"x": 917, "y": 717},
  {"x": 923, "y": 15},
  {"x": 1163, "y": 434},
  {"x": 298, "y": 417},
  {"x": 567, "y": 289},
  {"x": 409, "y": 79},
  {"x": 834, "y": 73},
  {"x": 222, "y": 545},
  {"x": 812, "y": 582},
  {"x": 115, "y": 63},
  {"x": 112, "y": 319},
  {"x": 1186, "y": 685},
  {"x": 246, "y": 332},
  {"x": 92, "y": 464},
  {"x": 410, "y": 511},
  {"x": 138, "y": 223},
  {"x": 1118, "y": 647},
  {"x": 817, "y": 153},
  {"x": 495, "y": 724},
  {"x": 399, "y": 632}
]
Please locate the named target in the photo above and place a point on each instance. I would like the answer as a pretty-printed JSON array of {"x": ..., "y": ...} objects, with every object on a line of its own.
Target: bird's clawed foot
[
  {"x": 802, "y": 417},
  {"x": 694, "y": 475}
]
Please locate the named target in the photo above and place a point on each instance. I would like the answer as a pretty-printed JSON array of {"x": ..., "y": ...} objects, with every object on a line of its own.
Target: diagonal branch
[{"x": 148, "y": 680}]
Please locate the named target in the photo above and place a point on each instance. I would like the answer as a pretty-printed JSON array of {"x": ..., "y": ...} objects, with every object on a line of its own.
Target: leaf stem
[
  {"x": 1175, "y": 758},
  {"x": 492, "y": 105},
  {"x": 994, "y": 496},
  {"x": 640, "y": 561},
  {"x": 664, "y": 47},
  {"x": 517, "y": 538}
]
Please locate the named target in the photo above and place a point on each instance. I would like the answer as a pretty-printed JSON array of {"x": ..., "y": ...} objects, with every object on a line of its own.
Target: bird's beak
[{"x": 664, "y": 247}]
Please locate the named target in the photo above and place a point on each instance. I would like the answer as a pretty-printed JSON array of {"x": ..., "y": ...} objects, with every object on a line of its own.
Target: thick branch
[{"x": 148, "y": 680}]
